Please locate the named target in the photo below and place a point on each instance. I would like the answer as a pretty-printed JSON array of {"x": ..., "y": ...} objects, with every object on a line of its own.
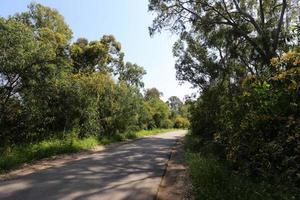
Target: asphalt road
[{"x": 129, "y": 171}]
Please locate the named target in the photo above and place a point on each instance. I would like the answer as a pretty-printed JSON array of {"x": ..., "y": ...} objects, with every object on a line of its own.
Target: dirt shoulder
[{"x": 175, "y": 185}]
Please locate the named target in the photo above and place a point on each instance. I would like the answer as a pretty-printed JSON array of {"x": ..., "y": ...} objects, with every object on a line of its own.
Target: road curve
[{"x": 129, "y": 171}]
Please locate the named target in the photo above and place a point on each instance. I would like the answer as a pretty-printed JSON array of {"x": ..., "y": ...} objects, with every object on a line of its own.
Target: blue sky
[{"x": 128, "y": 21}]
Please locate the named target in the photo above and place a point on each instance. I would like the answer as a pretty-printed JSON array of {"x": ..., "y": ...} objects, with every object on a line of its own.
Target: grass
[
  {"x": 27, "y": 153},
  {"x": 212, "y": 179}
]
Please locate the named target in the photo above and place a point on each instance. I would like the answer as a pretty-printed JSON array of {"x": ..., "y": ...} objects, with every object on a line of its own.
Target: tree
[
  {"x": 52, "y": 88},
  {"x": 152, "y": 93},
  {"x": 87, "y": 56},
  {"x": 129, "y": 111},
  {"x": 181, "y": 122},
  {"x": 33, "y": 57},
  {"x": 99, "y": 55},
  {"x": 178, "y": 112},
  {"x": 51, "y": 29},
  {"x": 17, "y": 52},
  {"x": 223, "y": 40},
  {"x": 158, "y": 109},
  {"x": 243, "y": 55},
  {"x": 132, "y": 74},
  {"x": 39, "y": 16},
  {"x": 115, "y": 55},
  {"x": 174, "y": 103},
  {"x": 159, "y": 112}
]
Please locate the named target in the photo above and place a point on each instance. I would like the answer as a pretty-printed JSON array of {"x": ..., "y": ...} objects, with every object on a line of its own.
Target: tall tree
[
  {"x": 152, "y": 93},
  {"x": 174, "y": 103},
  {"x": 86, "y": 56},
  {"x": 224, "y": 39},
  {"x": 99, "y": 55},
  {"x": 51, "y": 29},
  {"x": 34, "y": 56},
  {"x": 115, "y": 55},
  {"x": 132, "y": 74},
  {"x": 18, "y": 53}
]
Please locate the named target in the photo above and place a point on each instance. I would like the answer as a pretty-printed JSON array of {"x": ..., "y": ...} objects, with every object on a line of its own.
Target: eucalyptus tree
[
  {"x": 86, "y": 56},
  {"x": 98, "y": 55},
  {"x": 132, "y": 74},
  {"x": 17, "y": 53},
  {"x": 34, "y": 56},
  {"x": 225, "y": 39},
  {"x": 174, "y": 103},
  {"x": 152, "y": 93}
]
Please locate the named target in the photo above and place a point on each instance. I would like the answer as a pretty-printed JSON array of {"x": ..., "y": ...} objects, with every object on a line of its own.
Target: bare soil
[{"x": 175, "y": 184}]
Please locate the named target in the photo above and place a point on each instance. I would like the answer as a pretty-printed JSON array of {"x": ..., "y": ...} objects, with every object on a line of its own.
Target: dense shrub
[
  {"x": 269, "y": 128},
  {"x": 212, "y": 177},
  {"x": 249, "y": 101},
  {"x": 51, "y": 87},
  {"x": 257, "y": 123},
  {"x": 181, "y": 122}
]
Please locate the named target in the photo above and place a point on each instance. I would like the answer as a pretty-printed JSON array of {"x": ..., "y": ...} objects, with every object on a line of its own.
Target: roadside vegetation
[
  {"x": 214, "y": 178},
  {"x": 244, "y": 58},
  {"x": 27, "y": 153},
  {"x": 59, "y": 96}
]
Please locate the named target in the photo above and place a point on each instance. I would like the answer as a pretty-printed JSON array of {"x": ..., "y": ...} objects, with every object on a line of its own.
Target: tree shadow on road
[{"x": 129, "y": 171}]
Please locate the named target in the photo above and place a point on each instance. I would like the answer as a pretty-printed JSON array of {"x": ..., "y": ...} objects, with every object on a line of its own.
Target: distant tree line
[{"x": 50, "y": 86}]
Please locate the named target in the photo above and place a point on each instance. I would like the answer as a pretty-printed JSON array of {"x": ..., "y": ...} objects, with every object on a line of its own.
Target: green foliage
[
  {"x": 248, "y": 111},
  {"x": 30, "y": 152},
  {"x": 125, "y": 110},
  {"x": 159, "y": 112},
  {"x": 33, "y": 59},
  {"x": 39, "y": 17},
  {"x": 48, "y": 148},
  {"x": 102, "y": 55},
  {"x": 233, "y": 51},
  {"x": 220, "y": 38},
  {"x": 181, "y": 122},
  {"x": 211, "y": 179},
  {"x": 87, "y": 55},
  {"x": 55, "y": 95},
  {"x": 179, "y": 113},
  {"x": 131, "y": 74},
  {"x": 256, "y": 123},
  {"x": 214, "y": 179},
  {"x": 152, "y": 93},
  {"x": 269, "y": 126},
  {"x": 175, "y": 103}
]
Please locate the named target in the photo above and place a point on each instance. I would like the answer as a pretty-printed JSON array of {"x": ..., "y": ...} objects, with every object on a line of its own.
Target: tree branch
[
  {"x": 251, "y": 19},
  {"x": 261, "y": 12},
  {"x": 278, "y": 29}
]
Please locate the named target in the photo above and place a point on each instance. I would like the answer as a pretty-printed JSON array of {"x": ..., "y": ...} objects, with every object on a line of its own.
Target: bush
[
  {"x": 266, "y": 140},
  {"x": 181, "y": 122},
  {"x": 213, "y": 178},
  {"x": 257, "y": 122}
]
